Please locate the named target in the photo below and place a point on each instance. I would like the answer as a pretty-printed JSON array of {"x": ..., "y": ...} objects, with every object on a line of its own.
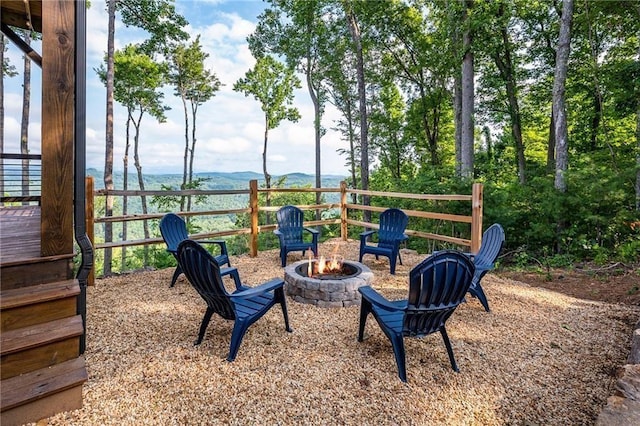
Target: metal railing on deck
[{"x": 20, "y": 179}]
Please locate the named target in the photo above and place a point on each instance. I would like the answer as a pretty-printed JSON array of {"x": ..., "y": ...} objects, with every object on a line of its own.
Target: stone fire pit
[{"x": 328, "y": 292}]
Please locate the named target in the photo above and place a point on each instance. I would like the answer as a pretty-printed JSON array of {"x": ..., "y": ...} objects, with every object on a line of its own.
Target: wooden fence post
[
  {"x": 253, "y": 205},
  {"x": 344, "y": 233},
  {"x": 89, "y": 224},
  {"x": 476, "y": 217}
]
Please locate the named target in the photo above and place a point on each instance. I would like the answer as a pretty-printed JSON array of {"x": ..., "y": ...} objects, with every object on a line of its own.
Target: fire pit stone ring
[{"x": 336, "y": 292}]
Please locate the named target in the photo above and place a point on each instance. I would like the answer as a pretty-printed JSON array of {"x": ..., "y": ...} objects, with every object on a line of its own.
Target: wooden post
[
  {"x": 57, "y": 128},
  {"x": 253, "y": 205},
  {"x": 343, "y": 211},
  {"x": 476, "y": 217},
  {"x": 89, "y": 223}
]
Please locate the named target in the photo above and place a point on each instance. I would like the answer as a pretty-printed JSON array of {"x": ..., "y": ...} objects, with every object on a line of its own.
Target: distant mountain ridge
[{"x": 214, "y": 180}]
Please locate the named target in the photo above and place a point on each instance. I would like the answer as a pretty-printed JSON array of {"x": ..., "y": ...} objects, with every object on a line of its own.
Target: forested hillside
[{"x": 539, "y": 101}]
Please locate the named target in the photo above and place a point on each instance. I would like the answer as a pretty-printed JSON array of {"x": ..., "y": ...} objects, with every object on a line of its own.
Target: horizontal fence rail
[{"x": 474, "y": 219}]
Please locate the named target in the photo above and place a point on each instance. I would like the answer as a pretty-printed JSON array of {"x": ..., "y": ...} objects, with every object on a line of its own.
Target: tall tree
[
  {"x": 26, "y": 107},
  {"x": 8, "y": 70},
  {"x": 354, "y": 29},
  {"x": 195, "y": 85},
  {"x": 296, "y": 30},
  {"x": 503, "y": 56},
  {"x": 467, "y": 96},
  {"x": 138, "y": 79},
  {"x": 108, "y": 145},
  {"x": 271, "y": 83},
  {"x": 559, "y": 107},
  {"x": 164, "y": 25}
]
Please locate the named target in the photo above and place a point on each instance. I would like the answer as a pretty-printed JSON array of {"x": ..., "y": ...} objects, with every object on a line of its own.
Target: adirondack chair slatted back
[
  {"x": 290, "y": 223},
  {"x": 491, "y": 245},
  {"x": 436, "y": 287},
  {"x": 203, "y": 272},
  {"x": 173, "y": 230},
  {"x": 393, "y": 222}
]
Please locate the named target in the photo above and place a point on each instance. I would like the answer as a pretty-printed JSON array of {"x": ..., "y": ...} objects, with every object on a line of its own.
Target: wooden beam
[
  {"x": 58, "y": 58},
  {"x": 26, "y": 49}
]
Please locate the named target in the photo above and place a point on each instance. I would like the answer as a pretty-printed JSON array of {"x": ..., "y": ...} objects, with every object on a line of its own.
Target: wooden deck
[{"x": 19, "y": 233}]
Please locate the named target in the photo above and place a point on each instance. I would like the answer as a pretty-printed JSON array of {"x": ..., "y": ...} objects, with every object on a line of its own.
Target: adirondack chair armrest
[
  {"x": 404, "y": 237},
  {"x": 378, "y": 300},
  {"x": 258, "y": 290},
  {"x": 221, "y": 243},
  {"x": 234, "y": 274},
  {"x": 366, "y": 234},
  {"x": 313, "y": 231},
  {"x": 483, "y": 268}
]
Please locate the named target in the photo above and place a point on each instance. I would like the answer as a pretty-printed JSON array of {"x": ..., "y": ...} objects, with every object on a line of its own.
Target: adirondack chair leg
[
  {"x": 447, "y": 343},
  {"x": 392, "y": 264},
  {"x": 365, "y": 308},
  {"x": 478, "y": 292},
  {"x": 283, "y": 258},
  {"x": 203, "y": 326},
  {"x": 176, "y": 274},
  {"x": 239, "y": 328},
  {"x": 398, "y": 351},
  {"x": 279, "y": 295}
]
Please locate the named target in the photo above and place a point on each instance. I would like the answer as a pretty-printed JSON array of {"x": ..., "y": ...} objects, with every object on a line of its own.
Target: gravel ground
[{"x": 539, "y": 358}]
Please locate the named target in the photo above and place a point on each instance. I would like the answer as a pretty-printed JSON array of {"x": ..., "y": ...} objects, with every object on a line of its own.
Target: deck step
[
  {"x": 26, "y": 306},
  {"x": 35, "y": 270},
  {"x": 38, "y": 346},
  {"x": 42, "y": 393}
]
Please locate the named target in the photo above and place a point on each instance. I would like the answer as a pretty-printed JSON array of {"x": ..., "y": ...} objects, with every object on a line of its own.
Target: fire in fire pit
[{"x": 324, "y": 269}]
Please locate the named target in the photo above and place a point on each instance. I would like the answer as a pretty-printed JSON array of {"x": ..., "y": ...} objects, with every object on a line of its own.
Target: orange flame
[{"x": 323, "y": 265}]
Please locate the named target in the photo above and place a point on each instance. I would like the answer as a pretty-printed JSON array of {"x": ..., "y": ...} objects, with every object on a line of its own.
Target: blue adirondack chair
[
  {"x": 244, "y": 306},
  {"x": 290, "y": 233},
  {"x": 436, "y": 287},
  {"x": 484, "y": 260},
  {"x": 393, "y": 222},
  {"x": 174, "y": 230}
]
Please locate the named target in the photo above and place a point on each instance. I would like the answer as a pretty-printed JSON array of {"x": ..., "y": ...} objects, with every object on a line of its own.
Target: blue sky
[{"x": 230, "y": 127}]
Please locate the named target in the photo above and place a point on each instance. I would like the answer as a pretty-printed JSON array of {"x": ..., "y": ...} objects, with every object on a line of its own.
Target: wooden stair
[{"x": 41, "y": 370}]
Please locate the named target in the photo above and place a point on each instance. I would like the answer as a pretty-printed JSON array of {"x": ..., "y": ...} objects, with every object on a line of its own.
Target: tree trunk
[
  {"x": 638, "y": 153},
  {"x": 551, "y": 145},
  {"x": 194, "y": 113},
  {"x": 125, "y": 186},
  {"x": 352, "y": 152},
  {"x": 143, "y": 198},
  {"x": 364, "y": 144},
  {"x": 267, "y": 176},
  {"x": 467, "y": 110},
  {"x": 507, "y": 72},
  {"x": 108, "y": 149},
  {"x": 316, "y": 126},
  {"x": 559, "y": 107},
  {"x": 457, "y": 119},
  {"x": 186, "y": 150},
  {"x": 24, "y": 126}
]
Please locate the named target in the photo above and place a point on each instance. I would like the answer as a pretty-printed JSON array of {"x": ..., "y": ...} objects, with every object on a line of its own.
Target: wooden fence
[{"x": 474, "y": 218}]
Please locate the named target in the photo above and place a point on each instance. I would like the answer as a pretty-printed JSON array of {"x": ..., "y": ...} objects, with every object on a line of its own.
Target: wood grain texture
[{"x": 57, "y": 127}]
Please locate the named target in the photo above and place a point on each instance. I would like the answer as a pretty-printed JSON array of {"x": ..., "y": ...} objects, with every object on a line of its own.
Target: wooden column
[
  {"x": 344, "y": 232},
  {"x": 476, "y": 217},
  {"x": 253, "y": 205},
  {"x": 58, "y": 58}
]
